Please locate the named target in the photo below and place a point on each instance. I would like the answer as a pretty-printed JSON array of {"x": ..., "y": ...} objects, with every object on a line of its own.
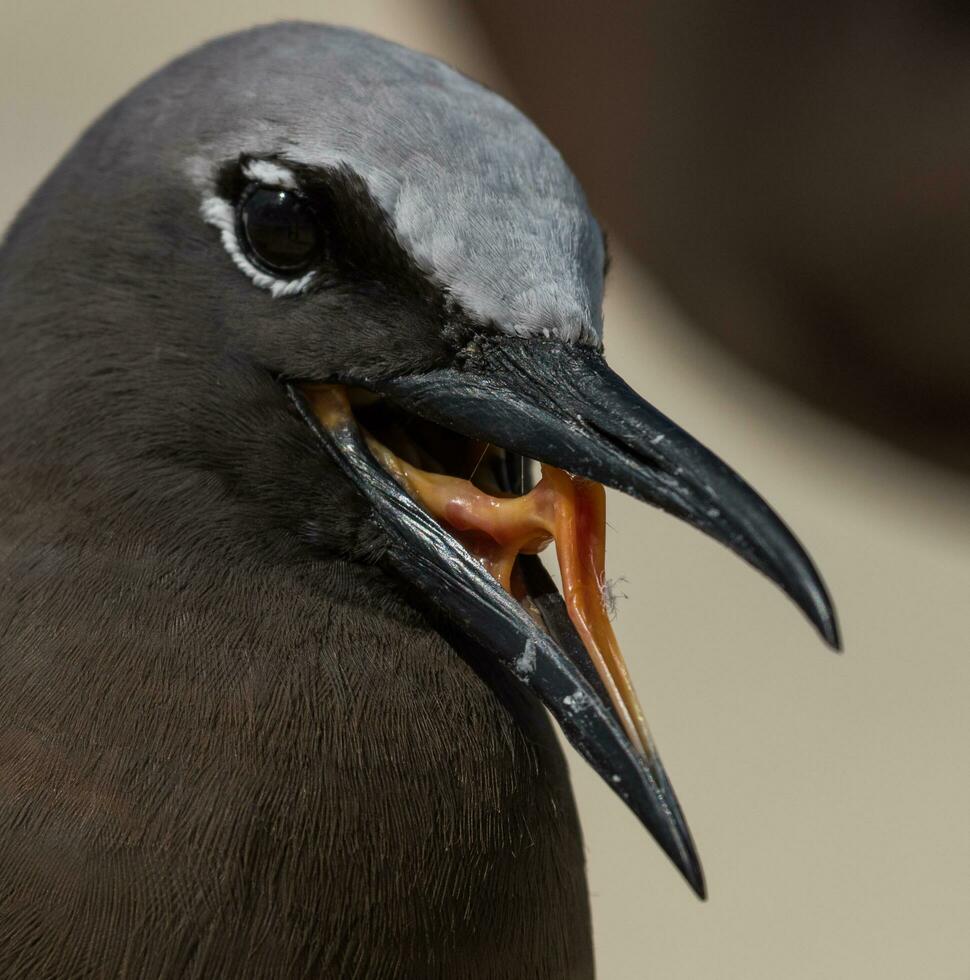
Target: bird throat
[{"x": 496, "y": 528}]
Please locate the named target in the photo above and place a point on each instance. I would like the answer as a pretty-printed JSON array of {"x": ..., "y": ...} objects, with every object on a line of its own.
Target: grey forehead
[{"x": 481, "y": 199}]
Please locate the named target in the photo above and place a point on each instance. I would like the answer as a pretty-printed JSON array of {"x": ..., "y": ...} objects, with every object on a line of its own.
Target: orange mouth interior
[{"x": 497, "y": 528}]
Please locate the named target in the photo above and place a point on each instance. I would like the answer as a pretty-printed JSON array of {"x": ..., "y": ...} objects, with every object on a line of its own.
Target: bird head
[{"x": 361, "y": 294}]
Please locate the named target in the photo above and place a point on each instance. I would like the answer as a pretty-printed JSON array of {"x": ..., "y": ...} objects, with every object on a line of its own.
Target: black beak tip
[
  {"x": 683, "y": 854},
  {"x": 675, "y": 841},
  {"x": 818, "y": 607},
  {"x": 694, "y": 875},
  {"x": 671, "y": 831},
  {"x": 829, "y": 628}
]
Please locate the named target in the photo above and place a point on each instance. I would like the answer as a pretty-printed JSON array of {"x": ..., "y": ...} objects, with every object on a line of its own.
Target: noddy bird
[{"x": 302, "y": 366}]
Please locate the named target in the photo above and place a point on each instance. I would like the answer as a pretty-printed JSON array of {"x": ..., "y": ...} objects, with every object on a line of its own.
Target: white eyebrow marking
[{"x": 268, "y": 172}]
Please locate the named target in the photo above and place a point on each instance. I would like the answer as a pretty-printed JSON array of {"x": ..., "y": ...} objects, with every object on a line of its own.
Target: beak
[{"x": 561, "y": 405}]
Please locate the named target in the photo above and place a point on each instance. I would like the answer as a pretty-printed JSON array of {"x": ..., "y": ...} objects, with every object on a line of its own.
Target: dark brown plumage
[{"x": 198, "y": 778}]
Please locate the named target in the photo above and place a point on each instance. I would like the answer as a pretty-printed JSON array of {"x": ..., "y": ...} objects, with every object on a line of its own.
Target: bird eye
[{"x": 278, "y": 230}]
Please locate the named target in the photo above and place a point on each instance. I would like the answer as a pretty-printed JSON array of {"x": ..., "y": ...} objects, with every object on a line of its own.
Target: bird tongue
[{"x": 568, "y": 510}]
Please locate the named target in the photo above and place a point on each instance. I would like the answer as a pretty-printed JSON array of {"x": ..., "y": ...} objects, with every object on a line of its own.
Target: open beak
[{"x": 467, "y": 537}]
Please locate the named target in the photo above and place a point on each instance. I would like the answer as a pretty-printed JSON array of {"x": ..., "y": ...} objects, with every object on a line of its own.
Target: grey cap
[{"x": 479, "y": 197}]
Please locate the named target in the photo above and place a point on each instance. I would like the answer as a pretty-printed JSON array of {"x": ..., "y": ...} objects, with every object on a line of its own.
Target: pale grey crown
[{"x": 479, "y": 197}]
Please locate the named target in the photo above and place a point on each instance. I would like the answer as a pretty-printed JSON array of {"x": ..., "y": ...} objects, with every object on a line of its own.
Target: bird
[{"x": 302, "y": 367}]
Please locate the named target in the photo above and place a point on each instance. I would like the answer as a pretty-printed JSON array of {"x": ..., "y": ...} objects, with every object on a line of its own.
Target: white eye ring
[{"x": 221, "y": 214}]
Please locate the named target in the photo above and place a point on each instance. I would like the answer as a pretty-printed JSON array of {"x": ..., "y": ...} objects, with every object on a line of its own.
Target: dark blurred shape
[{"x": 798, "y": 176}]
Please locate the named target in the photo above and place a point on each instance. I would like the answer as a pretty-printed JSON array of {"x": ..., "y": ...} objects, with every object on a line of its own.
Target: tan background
[{"x": 829, "y": 797}]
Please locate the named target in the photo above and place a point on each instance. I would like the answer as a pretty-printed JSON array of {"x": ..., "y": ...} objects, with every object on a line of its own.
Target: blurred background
[{"x": 787, "y": 195}]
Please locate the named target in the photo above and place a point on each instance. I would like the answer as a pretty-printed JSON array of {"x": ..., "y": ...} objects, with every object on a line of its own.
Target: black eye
[{"x": 278, "y": 230}]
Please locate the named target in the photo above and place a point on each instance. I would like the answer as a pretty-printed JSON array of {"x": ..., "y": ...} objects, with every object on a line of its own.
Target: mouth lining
[
  {"x": 467, "y": 487},
  {"x": 464, "y": 483},
  {"x": 437, "y": 449}
]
